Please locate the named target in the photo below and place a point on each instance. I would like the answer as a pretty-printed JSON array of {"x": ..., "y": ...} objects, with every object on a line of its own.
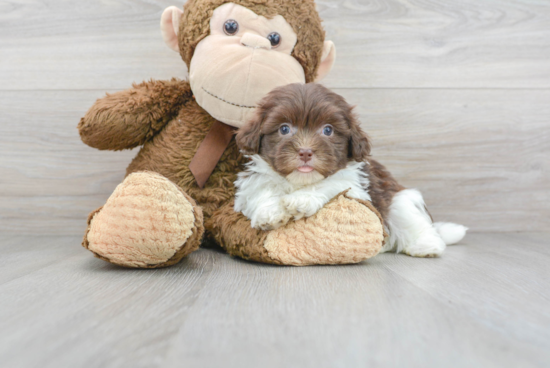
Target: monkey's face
[{"x": 244, "y": 57}]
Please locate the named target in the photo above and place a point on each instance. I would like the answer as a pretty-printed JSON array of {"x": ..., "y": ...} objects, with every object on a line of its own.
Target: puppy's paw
[
  {"x": 428, "y": 245},
  {"x": 271, "y": 218},
  {"x": 300, "y": 205}
]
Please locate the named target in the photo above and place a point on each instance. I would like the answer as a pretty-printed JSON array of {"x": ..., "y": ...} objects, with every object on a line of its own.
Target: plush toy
[{"x": 181, "y": 181}]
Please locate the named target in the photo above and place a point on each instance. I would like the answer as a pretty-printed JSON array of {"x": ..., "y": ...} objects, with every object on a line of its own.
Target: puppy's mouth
[
  {"x": 305, "y": 169},
  {"x": 304, "y": 175}
]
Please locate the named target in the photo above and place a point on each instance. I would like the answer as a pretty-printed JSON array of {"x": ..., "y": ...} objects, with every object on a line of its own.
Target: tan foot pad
[
  {"x": 147, "y": 222},
  {"x": 344, "y": 231}
]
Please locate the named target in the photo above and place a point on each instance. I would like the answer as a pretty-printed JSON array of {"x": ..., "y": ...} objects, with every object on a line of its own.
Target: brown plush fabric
[
  {"x": 344, "y": 231},
  {"x": 148, "y": 222},
  {"x": 300, "y": 14},
  {"x": 232, "y": 231},
  {"x": 129, "y": 118},
  {"x": 169, "y": 142},
  {"x": 170, "y": 152}
]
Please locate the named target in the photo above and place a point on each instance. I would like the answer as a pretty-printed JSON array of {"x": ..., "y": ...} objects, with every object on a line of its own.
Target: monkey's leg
[
  {"x": 344, "y": 231},
  {"x": 148, "y": 222}
]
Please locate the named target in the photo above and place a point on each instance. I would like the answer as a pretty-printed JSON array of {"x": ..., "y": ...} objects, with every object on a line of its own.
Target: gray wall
[{"x": 454, "y": 94}]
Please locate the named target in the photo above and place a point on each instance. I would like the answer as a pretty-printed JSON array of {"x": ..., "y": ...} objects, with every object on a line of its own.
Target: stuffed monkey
[{"x": 181, "y": 181}]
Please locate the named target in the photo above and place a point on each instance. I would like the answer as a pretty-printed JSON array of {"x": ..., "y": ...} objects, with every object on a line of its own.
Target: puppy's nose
[{"x": 305, "y": 154}]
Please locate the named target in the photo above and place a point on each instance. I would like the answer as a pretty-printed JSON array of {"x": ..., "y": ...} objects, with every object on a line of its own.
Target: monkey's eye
[
  {"x": 275, "y": 39},
  {"x": 328, "y": 130},
  {"x": 284, "y": 129},
  {"x": 230, "y": 27}
]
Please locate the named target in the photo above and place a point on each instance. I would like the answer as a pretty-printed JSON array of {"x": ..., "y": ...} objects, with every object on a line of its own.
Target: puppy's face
[{"x": 305, "y": 132}]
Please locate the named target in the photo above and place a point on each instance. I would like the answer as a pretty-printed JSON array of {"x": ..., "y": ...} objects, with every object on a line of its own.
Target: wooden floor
[{"x": 485, "y": 303}]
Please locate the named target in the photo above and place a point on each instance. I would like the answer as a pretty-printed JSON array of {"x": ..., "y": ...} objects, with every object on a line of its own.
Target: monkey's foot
[
  {"x": 345, "y": 231},
  {"x": 148, "y": 222}
]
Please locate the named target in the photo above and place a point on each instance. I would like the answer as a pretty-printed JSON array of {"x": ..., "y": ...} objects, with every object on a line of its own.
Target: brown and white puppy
[{"x": 306, "y": 146}]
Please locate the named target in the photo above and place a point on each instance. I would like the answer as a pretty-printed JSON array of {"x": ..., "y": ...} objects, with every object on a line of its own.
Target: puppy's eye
[
  {"x": 284, "y": 129},
  {"x": 230, "y": 27},
  {"x": 275, "y": 39},
  {"x": 328, "y": 130}
]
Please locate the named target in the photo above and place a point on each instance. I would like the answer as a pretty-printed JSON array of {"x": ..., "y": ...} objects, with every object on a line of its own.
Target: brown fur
[
  {"x": 383, "y": 186},
  {"x": 300, "y": 14},
  {"x": 308, "y": 108},
  {"x": 126, "y": 119}
]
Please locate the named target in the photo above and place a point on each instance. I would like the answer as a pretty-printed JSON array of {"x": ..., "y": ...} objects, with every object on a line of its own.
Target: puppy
[{"x": 306, "y": 146}]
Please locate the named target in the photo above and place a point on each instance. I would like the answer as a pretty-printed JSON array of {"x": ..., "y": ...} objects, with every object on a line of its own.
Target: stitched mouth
[{"x": 227, "y": 102}]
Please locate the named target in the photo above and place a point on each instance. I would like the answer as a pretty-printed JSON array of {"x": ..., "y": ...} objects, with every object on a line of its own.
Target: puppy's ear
[
  {"x": 359, "y": 145},
  {"x": 249, "y": 135}
]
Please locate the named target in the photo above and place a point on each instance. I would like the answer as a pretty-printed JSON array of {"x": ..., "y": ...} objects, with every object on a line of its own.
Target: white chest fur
[{"x": 270, "y": 200}]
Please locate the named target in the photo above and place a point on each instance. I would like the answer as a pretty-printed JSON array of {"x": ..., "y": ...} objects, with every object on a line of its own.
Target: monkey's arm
[{"x": 127, "y": 119}]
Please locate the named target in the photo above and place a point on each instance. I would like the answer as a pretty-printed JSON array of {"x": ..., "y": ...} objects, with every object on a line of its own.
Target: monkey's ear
[
  {"x": 249, "y": 135},
  {"x": 169, "y": 26},
  {"x": 359, "y": 145},
  {"x": 327, "y": 60}
]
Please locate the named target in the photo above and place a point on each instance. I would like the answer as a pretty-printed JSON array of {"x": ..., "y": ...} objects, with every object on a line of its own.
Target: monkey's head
[{"x": 239, "y": 51}]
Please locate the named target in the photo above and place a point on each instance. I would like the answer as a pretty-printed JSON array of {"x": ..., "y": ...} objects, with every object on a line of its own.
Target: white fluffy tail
[{"x": 449, "y": 232}]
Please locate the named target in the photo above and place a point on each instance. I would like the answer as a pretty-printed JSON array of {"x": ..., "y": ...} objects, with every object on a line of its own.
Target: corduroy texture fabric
[
  {"x": 148, "y": 222},
  {"x": 300, "y": 14},
  {"x": 345, "y": 231}
]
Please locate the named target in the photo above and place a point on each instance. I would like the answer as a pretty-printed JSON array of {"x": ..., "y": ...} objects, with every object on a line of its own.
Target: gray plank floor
[{"x": 485, "y": 303}]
